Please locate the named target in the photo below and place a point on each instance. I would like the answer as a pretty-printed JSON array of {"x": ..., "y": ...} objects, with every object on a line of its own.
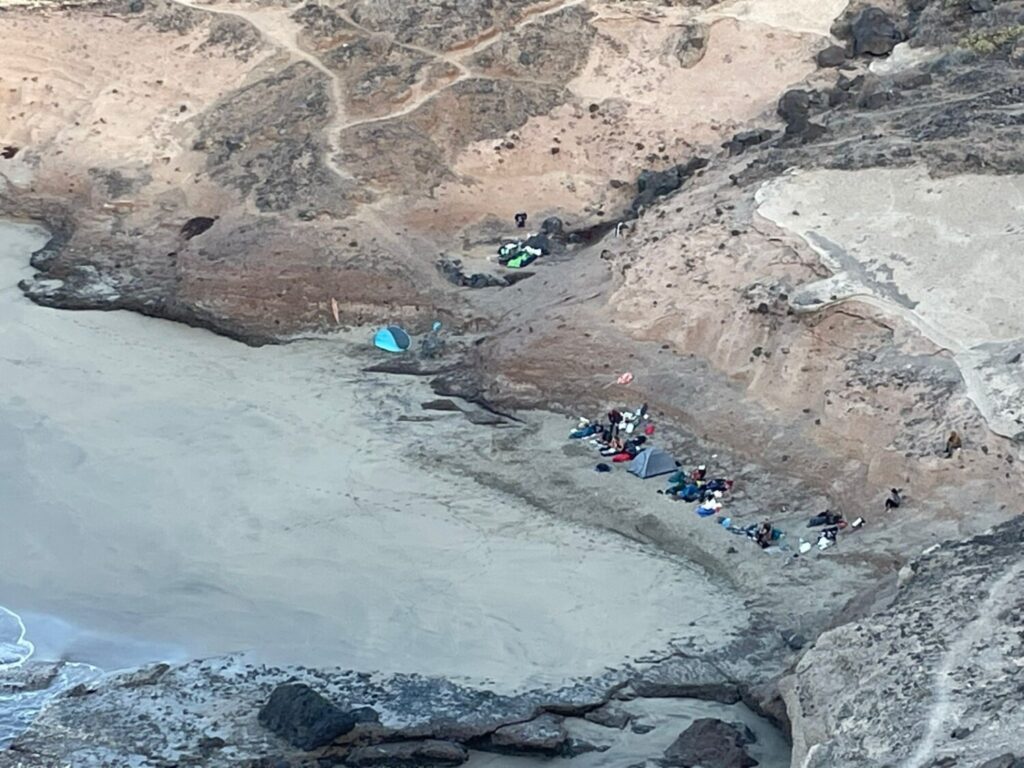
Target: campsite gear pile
[
  {"x": 613, "y": 438},
  {"x": 521, "y": 253},
  {"x": 646, "y": 461}
]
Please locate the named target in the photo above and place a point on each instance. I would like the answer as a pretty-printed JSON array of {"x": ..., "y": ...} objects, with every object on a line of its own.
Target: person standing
[{"x": 953, "y": 444}]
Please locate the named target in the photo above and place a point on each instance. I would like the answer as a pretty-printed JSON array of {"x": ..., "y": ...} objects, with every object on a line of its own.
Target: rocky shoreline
[
  {"x": 943, "y": 646},
  {"x": 337, "y": 155},
  {"x": 223, "y": 710}
]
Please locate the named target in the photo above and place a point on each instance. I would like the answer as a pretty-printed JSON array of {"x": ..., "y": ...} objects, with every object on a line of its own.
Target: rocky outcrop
[
  {"x": 940, "y": 662},
  {"x": 651, "y": 185},
  {"x": 307, "y": 720},
  {"x": 873, "y": 31},
  {"x": 429, "y": 752},
  {"x": 711, "y": 743},
  {"x": 544, "y": 734}
]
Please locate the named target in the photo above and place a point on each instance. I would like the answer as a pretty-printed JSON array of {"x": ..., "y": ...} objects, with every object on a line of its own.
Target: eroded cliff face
[
  {"x": 263, "y": 160},
  {"x": 339, "y": 147},
  {"x": 931, "y": 679}
]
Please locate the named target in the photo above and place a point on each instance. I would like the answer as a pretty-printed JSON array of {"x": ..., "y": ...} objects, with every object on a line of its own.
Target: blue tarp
[{"x": 392, "y": 339}]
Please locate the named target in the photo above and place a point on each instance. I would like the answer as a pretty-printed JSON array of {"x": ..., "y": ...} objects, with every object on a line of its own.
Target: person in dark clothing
[
  {"x": 953, "y": 444},
  {"x": 894, "y": 500},
  {"x": 614, "y": 421},
  {"x": 763, "y": 537},
  {"x": 520, "y": 220}
]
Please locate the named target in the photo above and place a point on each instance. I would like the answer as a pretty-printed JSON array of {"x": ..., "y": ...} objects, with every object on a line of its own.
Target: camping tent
[
  {"x": 392, "y": 339},
  {"x": 652, "y": 462}
]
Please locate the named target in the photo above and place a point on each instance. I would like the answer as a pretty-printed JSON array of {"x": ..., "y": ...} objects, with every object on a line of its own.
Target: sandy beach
[{"x": 178, "y": 494}]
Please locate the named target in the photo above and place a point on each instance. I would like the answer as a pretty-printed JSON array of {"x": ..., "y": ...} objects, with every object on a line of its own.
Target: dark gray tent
[{"x": 652, "y": 462}]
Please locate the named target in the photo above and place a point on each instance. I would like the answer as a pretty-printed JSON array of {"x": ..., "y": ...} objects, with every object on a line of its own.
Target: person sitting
[
  {"x": 763, "y": 536},
  {"x": 894, "y": 500},
  {"x": 699, "y": 473},
  {"x": 615, "y": 446}
]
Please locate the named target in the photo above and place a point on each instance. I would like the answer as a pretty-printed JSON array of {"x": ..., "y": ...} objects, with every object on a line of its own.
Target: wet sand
[{"x": 166, "y": 487}]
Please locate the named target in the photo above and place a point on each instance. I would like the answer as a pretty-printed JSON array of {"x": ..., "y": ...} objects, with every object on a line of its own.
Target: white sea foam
[
  {"x": 15, "y": 650},
  {"x": 20, "y": 700}
]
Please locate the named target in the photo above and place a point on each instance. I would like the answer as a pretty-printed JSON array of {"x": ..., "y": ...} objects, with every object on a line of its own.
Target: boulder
[
  {"x": 651, "y": 185},
  {"x": 610, "y": 716},
  {"x": 196, "y": 226},
  {"x": 980, "y": 6},
  {"x": 307, "y": 720},
  {"x": 408, "y": 753},
  {"x": 832, "y": 56},
  {"x": 795, "y": 109},
  {"x": 1008, "y": 760},
  {"x": 710, "y": 743},
  {"x": 545, "y": 734},
  {"x": 743, "y": 140},
  {"x": 874, "y": 32},
  {"x": 552, "y": 225}
]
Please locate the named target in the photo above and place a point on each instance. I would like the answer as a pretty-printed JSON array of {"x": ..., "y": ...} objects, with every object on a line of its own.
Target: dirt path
[
  {"x": 277, "y": 29},
  {"x": 999, "y": 598}
]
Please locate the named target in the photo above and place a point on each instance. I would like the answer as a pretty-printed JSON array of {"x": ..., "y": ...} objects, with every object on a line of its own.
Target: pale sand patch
[
  {"x": 652, "y": 112},
  {"x": 89, "y": 99},
  {"x": 902, "y": 57},
  {"x": 811, "y": 16},
  {"x": 942, "y": 253},
  {"x": 172, "y": 486}
]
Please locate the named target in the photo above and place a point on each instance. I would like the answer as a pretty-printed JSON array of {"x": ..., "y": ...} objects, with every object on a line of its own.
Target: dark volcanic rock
[
  {"x": 196, "y": 226},
  {"x": 1008, "y": 760},
  {"x": 795, "y": 108},
  {"x": 551, "y": 226},
  {"x": 742, "y": 141},
  {"x": 544, "y": 734},
  {"x": 832, "y": 56},
  {"x": 710, "y": 743},
  {"x": 874, "y": 32},
  {"x": 408, "y": 753},
  {"x": 654, "y": 184},
  {"x": 305, "y": 719}
]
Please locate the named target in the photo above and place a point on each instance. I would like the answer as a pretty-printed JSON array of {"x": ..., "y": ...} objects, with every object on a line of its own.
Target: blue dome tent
[{"x": 392, "y": 339}]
